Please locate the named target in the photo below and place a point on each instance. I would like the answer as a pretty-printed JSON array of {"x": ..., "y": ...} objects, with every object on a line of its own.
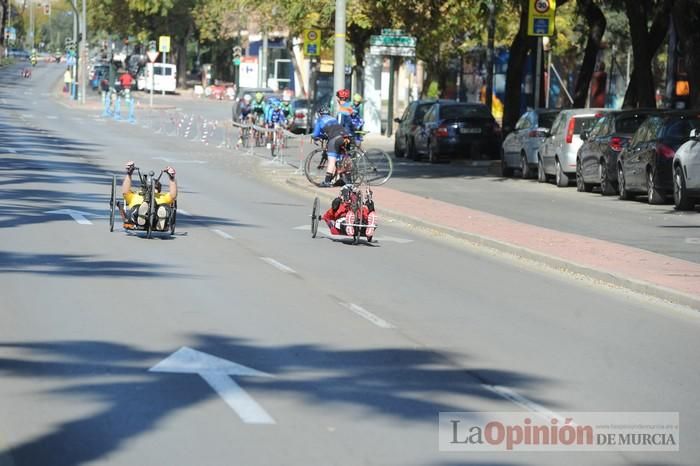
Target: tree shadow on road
[{"x": 400, "y": 384}]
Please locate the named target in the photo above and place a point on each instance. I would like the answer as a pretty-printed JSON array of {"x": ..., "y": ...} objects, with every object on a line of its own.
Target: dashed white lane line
[
  {"x": 692, "y": 240},
  {"x": 183, "y": 212},
  {"x": 52, "y": 117},
  {"x": 365, "y": 314},
  {"x": 9, "y": 149},
  {"x": 223, "y": 234},
  {"x": 519, "y": 400},
  {"x": 278, "y": 265}
]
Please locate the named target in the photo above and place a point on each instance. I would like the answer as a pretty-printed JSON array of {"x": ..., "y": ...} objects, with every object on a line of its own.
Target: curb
[{"x": 610, "y": 278}]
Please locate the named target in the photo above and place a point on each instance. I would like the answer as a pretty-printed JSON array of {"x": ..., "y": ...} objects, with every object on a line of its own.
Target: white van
[{"x": 165, "y": 78}]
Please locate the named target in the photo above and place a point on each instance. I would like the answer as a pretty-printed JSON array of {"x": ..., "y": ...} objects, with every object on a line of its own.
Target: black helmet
[{"x": 324, "y": 110}]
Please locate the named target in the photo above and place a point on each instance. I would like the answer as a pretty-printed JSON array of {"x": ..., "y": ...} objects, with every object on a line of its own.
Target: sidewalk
[{"x": 657, "y": 275}]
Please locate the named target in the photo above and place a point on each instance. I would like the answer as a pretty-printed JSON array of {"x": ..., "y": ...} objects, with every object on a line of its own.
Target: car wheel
[
  {"x": 581, "y": 185},
  {"x": 606, "y": 186},
  {"x": 398, "y": 153},
  {"x": 541, "y": 175},
  {"x": 680, "y": 193},
  {"x": 559, "y": 176},
  {"x": 506, "y": 171},
  {"x": 654, "y": 195},
  {"x": 624, "y": 195},
  {"x": 525, "y": 169}
]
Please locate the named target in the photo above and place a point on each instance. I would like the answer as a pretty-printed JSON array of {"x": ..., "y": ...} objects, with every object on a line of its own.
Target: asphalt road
[{"x": 358, "y": 348}]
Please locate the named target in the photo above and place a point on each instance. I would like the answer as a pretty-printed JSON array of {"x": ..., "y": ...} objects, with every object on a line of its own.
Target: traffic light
[
  {"x": 47, "y": 9},
  {"x": 237, "y": 55}
]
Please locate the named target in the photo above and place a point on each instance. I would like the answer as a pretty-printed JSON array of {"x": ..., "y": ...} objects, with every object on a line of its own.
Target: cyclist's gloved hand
[
  {"x": 171, "y": 172},
  {"x": 130, "y": 167}
]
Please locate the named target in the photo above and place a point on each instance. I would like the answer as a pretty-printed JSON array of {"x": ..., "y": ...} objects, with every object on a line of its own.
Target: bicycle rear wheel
[
  {"x": 377, "y": 167},
  {"x": 315, "y": 166}
]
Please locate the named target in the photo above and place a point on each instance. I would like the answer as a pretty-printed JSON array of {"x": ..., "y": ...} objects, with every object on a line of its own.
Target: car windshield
[
  {"x": 421, "y": 110},
  {"x": 629, "y": 124},
  {"x": 545, "y": 120},
  {"x": 679, "y": 129},
  {"x": 582, "y": 124},
  {"x": 455, "y": 112}
]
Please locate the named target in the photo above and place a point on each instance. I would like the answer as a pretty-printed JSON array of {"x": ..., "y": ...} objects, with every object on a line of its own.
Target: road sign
[
  {"x": 164, "y": 44},
  {"x": 541, "y": 17},
  {"x": 393, "y": 40},
  {"x": 392, "y": 51},
  {"x": 392, "y": 32},
  {"x": 248, "y": 72},
  {"x": 152, "y": 55},
  {"x": 217, "y": 372},
  {"x": 312, "y": 42}
]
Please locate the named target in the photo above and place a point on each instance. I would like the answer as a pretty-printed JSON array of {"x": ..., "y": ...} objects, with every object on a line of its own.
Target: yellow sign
[
  {"x": 541, "y": 17},
  {"x": 312, "y": 42},
  {"x": 164, "y": 44}
]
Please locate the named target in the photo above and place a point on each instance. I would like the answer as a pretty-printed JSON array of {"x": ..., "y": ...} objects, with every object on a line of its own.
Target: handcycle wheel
[
  {"x": 173, "y": 218},
  {"x": 357, "y": 228},
  {"x": 377, "y": 167},
  {"x": 315, "y": 166},
  {"x": 112, "y": 203},
  {"x": 315, "y": 217}
]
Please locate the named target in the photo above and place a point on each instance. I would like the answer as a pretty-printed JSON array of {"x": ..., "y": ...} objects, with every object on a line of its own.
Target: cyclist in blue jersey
[{"x": 328, "y": 127}]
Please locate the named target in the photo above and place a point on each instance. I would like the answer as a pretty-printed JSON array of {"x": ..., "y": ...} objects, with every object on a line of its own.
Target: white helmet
[{"x": 247, "y": 98}]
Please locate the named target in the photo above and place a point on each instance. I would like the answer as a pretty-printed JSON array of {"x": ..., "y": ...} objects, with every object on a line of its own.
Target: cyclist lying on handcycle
[
  {"x": 341, "y": 219},
  {"x": 134, "y": 215}
]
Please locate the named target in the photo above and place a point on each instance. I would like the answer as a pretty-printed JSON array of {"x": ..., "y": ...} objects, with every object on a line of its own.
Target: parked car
[
  {"x": 596, "y": 164},
  {"x": 412, "y": 117},
  {"x": 299, "y": 117},
  {"x": 247, "y": 90},
  {"x": 686, "y": 173},
  {"x": 519, "y": 149},
  {"x": 646, "y": 164},
  {"x": 453, "y": 128},
  {"x": 556, "y": 156},
  {"x": 19, "y": 53}
]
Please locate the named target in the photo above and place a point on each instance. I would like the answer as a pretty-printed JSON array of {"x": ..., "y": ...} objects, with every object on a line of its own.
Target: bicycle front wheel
[
  {"x": 377, "y": 167},
  {"x": 315, "y": 166}
]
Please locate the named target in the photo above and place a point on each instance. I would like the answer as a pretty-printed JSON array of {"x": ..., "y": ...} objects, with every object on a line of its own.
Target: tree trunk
[
  {"x": 686, "y": 18},
  {"x": 514, "y": 75},
  {"x": 4, "y": 9},
  {"x": 596, "y": 22},
  {"x": 299, "y": 80},
  {"x": 645, "y": 44}
]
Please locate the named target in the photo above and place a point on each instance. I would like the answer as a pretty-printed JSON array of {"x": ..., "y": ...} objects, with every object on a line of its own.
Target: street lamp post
[
  {"x": 339, "y": 57},
  {"x": 83, "y": 56}
]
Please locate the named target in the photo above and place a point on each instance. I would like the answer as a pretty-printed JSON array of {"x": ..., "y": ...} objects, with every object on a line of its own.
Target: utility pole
[
  {"x": 339, "y": 57},
  {"x": 83, "y": 56},
  {"x": 74, "y": 86},
  {"x": 489, "y": 54},
  {"x": 31, "y": 24},
  {"x": 263, "y": 59}
]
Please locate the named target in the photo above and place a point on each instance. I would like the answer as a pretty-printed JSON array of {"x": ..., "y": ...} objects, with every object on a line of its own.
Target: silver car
[
  {"x": 686, "y": 173},
  {"x": 557, "y": 155},
  {"x": 519, "y": 150}
]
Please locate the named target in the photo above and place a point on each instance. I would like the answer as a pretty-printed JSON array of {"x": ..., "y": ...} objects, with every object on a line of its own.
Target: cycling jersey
[
  {"x": 245, "y": 110},
  {"x": 328, "y": 127},
  {"x": 258, "y": 107},
  {"x": 133, "y": 199},
  {"x": 276, "y": 116}
]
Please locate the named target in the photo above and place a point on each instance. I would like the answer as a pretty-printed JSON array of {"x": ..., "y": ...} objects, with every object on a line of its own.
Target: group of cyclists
[{"x": 265, "y": 112}]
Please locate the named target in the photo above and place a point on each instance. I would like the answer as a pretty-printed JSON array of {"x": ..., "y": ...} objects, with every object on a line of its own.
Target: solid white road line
[
  {"x": 365, "y": 314},
  {"x": 223, "y": 234},
  {"x": 278, "y": 265},
  {"x": 518, "y": 399}
]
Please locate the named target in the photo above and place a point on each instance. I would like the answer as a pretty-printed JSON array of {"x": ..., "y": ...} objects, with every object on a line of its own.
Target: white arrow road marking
[
  {"x": 365, "y": 314},
  {"x": 178, "y": 161},
  {"x": 278, "y": 265},
  {"x": 382, "y": 238},
  {"x": 183, "y": 212},
  {"x": 692, "y": 240},
  {"x": 26, "y": 116},
  {"x": 52, "y": 117},
  {"x": 223, "y": 234},
  {"x": 217, "y": 373},
  {"x": 77, "y": 215},
  {"x": 523, "y": 402},
  {"x": 9, "y": 149}
]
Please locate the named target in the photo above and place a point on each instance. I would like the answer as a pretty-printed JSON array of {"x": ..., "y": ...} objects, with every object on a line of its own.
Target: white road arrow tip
[
  {"x": 77, "y": 215},
  {"x": 189, "y": 361}
]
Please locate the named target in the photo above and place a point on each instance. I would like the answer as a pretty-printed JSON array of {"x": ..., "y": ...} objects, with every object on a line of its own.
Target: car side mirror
[
  {"x": 584, "y": 136},
  {"x": 694, "y": 134},
  {"x": 397, "y": 120}
]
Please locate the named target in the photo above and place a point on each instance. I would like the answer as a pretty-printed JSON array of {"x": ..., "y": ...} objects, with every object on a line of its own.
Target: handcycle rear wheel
[
  {"x": 112, "y": 203},
  {"x": 315, "y": 166},
  {"x": 151, "y": 209},
  {"x": 357, "y": 228},
  {"x": 315, "y": 217},
  {"x": 173, "y": 218}
]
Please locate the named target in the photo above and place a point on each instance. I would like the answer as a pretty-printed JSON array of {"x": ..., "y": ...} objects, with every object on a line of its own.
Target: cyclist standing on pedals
[
  {"x": 258, "y": 107},
  {"x": 136, "y": 208},
  {"x": 328, "y": 128},
  {"x": 341, "y": 219}
]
